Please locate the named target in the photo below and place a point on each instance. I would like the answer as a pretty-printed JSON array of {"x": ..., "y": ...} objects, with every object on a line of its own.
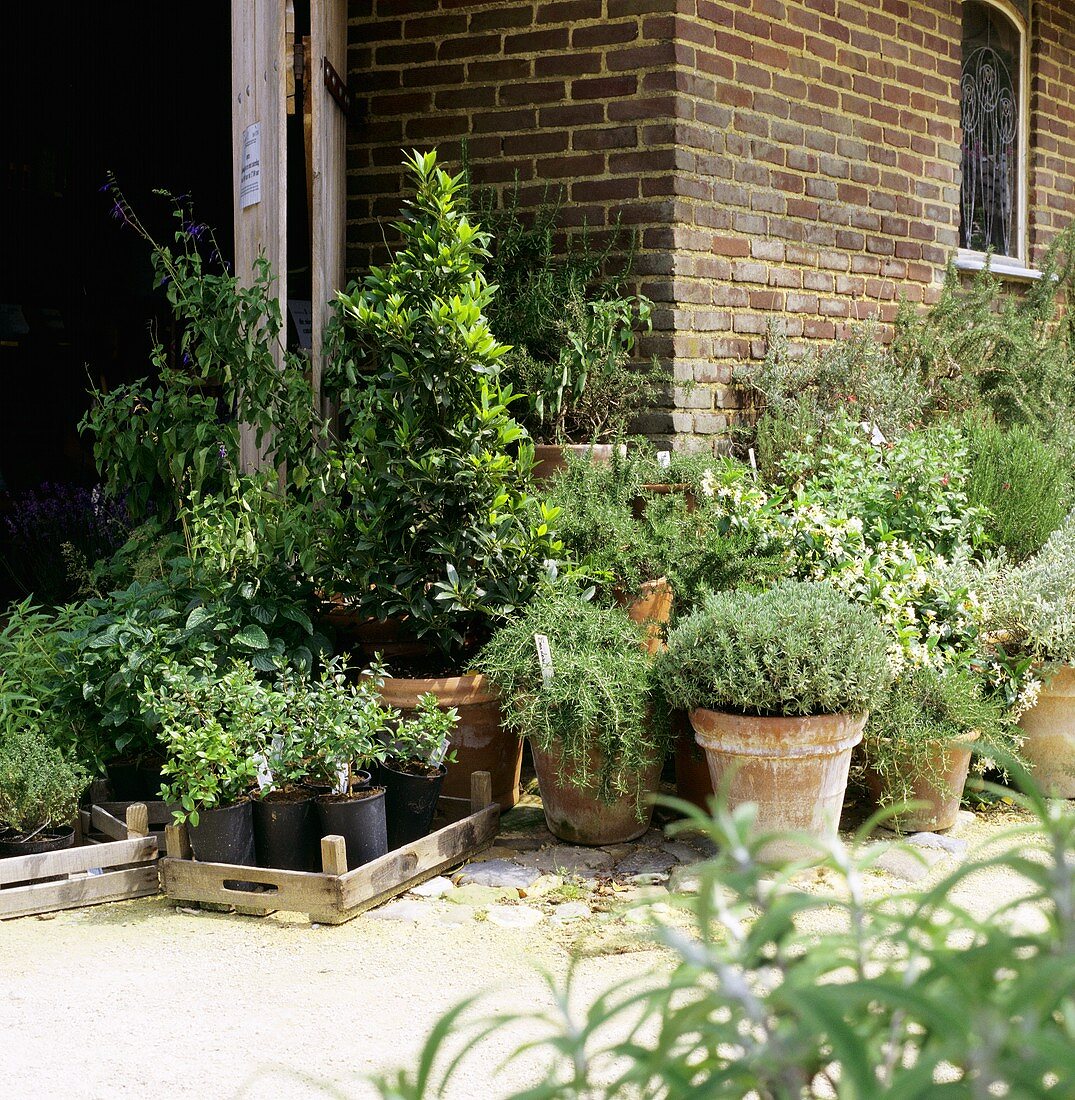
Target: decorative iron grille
[{"x": 990, "y": 109}]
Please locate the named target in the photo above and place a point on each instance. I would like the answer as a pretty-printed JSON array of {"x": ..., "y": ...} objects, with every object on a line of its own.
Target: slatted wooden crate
[
  {"x": 105, "y": 821},
  {"x": 86, "y": 875},
  {"x": 334, "y": 894}
]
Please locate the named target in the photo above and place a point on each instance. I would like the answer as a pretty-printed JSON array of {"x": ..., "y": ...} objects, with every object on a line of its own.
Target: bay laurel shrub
[
  {"x": 798, "y": 648},
  {"x": 598, "y": 696}
]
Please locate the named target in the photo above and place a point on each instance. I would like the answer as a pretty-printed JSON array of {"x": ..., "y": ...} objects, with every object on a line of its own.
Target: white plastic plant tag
[
  {"x": 436, "y": 758},
  {"x": 753, "y": 459},
  {"x": 876, "y": 438},
  {"x": 341, "y": 779},
  {"x": 544, "y": 653},
  {"x": 264, "y": 771},
  {"x": 664, "y": 459}
]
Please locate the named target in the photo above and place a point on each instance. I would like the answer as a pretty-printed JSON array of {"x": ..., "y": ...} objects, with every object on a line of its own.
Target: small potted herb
[
  {"x": 214, "y": 725},
  {"x": 584, "y": 704},
  {"x": 919, "y": 741},
  {"x": 778, "y": 686},
  {"x": 414, "y": 769}
]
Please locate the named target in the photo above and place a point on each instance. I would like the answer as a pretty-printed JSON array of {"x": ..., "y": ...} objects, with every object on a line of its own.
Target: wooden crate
[
  {"x": 87, "y": 875},
  {"x": 335, "y": 894},
  {"x": 104, "y": 821}
]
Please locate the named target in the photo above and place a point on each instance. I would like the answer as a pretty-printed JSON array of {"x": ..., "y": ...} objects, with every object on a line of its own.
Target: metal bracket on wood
[{"x": 337, "y": 87}]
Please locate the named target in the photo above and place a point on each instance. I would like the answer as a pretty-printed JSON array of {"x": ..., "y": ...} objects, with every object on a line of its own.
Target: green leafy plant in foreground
[{"x": 780, "y": 994}]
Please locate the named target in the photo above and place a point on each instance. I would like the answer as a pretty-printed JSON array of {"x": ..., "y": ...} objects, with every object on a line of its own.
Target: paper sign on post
[
  {"x": 544, "y": 652},
  {"x": 250, "y": 177}
]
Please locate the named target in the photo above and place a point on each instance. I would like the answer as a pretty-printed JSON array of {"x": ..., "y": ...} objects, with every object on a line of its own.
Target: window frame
[{"x": 1014, "y": 266}]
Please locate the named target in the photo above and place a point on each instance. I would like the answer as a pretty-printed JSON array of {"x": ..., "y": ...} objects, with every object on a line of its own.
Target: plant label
[
  {"x": 264, "y": 771},
  {"x": 437, "y": 757},
  {"x": 250, "y": 176},
  {"x": 664, "y": 459},
  {"x": 544, "y": 653},
  {"x": 342, "y": 776},
  {"x": 753, "y": 461}
]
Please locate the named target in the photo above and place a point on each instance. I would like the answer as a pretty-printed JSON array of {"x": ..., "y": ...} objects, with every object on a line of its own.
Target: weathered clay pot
[
  {"x": 693, "y": 782},
  {"x": 660, "y": 489},
  {"x": 479, "y": 739},
  {"x": 794, "y": 769},
  {"x": 578, "y": 815},
  {"x": 366, "y": 637},
  {"x": 950, "y": 764},
  {"x": 1049, "y": 731},
  {"x": 652, "y": 607},
  {"x": 550, "y": 458}
]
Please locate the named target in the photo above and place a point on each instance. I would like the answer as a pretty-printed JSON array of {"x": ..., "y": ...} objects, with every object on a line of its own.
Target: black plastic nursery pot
[
  {"x": 360, "y": 819},
  {"x": 410, "y": 803},
  {"x": 224, "y": 834},
  {"x": 132, "y": 781},
  {"x": 48, "y": 840},
  {"x": 286, "y": 832}
]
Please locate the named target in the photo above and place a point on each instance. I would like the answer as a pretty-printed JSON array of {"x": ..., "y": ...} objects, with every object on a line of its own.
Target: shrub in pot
[
  {"x": 440, "y": 532},
  {"x": 213, "y": 725},
  {"x": 40, "y": 785},
  {"x": 414, "y": 768},
  {"x": 597, "y": 746},
  {"x": 918, "y": 744},
  {"x": 778, "y": 686}
]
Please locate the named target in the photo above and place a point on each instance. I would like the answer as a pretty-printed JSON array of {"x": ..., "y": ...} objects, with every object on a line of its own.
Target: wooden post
[
  {"x": 177, "y": 842},
  {"x": 328, "y": 153},
  {"x": 481, "y": 791},
  {"x": 334, "y": 855},
  {"x": 137, "y": 820},
  {"x": 259, "y": 96}
]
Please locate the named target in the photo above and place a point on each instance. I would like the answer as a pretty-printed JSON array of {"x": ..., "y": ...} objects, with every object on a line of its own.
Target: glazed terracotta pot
[
  {"x": 578, "y": 815},
  {"x": 480, "y": 741},
  {"x": 550, "y": 458},
  {"x": 1049, "y": 732},
  {"x": 940, "y": 787},
  {"x": 794, "y": 769}
]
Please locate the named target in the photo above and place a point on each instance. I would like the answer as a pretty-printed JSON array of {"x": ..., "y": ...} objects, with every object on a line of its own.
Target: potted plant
[
  {"x": 439, "y": 534},
  {"x": 40, "y": 785},
  {"x": 348, "y": 725},
  {"x": 413, "y": 770},
  {"x": 1031, "y": 612},
  {"x": 918, "y": 744},
  {"x": 213, "y": 725},
  {"x": 584, "y": 704},
  {"x": 778, "y": 686},
  {"x": 573, "y": 326}
]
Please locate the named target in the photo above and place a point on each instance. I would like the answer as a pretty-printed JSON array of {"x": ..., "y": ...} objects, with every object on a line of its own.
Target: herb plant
[
  {"x": 798, "y": 648},
  {"x": 420, "y": 742}
]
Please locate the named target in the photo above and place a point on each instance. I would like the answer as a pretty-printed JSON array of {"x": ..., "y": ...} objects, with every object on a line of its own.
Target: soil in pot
[
  {"x": 1049, "y": 735},
  {"x": 794, "y": 769},
  {"x": 940, "y": 786},
  {"x": 411, "y": 793},
  {"x": 360, "y": 819},
  {"x": 287, "y": 832},
  {"x": 479, "y": 740},
  {"x": 578, "y": 814}
]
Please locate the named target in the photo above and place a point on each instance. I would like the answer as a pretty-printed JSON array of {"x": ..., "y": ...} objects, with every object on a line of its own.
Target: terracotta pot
[
  {"x": 950, "y": 763},
  {"x": 794, "y": 769},
  {"x": 659, "y": 489},
  {"x": 479, "y": 740},
  {"x": 363, "y": 636},
  {"x": 693, "y": 782},
  {"x": 652, "y": 606},
  {"x": 578, "y": 815},
  {"x": 550, "y": 458},
  {"x": 1049, "y": 731}
]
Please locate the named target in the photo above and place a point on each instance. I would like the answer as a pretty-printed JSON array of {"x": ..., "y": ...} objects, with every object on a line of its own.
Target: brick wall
[{"x": 793, "y": 161}]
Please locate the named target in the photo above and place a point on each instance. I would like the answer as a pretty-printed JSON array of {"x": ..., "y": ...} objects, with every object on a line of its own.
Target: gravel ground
[{"x": 139, "y": 999}]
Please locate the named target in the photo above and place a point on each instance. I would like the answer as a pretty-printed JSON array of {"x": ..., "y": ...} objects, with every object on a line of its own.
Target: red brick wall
[{"x": 787, "y": 160}]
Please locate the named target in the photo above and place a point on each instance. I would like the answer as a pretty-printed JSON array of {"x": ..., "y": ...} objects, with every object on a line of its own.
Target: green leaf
[{"x": 252, "y": 637}]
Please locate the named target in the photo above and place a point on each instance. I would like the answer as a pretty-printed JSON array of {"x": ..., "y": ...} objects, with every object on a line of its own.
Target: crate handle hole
[{"x": 242, "y": 886}]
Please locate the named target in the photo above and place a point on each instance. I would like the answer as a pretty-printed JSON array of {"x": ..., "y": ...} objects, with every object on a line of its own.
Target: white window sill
[{"x": 1004, "y": 266}]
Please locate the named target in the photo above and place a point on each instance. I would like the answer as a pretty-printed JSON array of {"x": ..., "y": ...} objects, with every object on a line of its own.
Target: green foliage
[
  {"x": 798, "y": 648},
  {"x": 40, "y": 785},
  {"x": 923, "y": 710},
  {"x": 598, "y": 695},
  {"x": 1022, "y": 483},
  {"x": 440, "y": 527},
  {"x": 422, "y": 738},
  {"x": 912, "y": 995},
  {"x": 571, "y": 325}
]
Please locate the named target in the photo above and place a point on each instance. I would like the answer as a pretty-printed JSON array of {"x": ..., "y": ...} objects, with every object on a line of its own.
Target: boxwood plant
[{"x": 798, "y": 648}]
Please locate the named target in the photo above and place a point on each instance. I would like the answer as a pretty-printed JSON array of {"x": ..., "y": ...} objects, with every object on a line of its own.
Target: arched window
[{"x": 993, "y": 115}]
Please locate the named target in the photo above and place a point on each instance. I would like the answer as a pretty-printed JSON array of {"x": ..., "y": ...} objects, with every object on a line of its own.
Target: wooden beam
[
  {"x": 45, "y": 897},
  {"x": 73, "y": 861}
]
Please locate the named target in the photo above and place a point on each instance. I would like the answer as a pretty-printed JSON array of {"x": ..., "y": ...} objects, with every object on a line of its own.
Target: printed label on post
[
  {"x": 250, "y": 176},
  {"x": 664, "y": 459},
  {"x": 544, "y": 652}
]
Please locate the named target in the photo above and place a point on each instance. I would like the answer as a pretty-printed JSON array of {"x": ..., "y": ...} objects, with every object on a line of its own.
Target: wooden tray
[
  {"x": 87, "y": 875},
  {"x": 335, "y": 894}
]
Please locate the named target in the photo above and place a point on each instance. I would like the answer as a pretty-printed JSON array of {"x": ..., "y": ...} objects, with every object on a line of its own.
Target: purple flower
[{"x": 223, "y": 451}]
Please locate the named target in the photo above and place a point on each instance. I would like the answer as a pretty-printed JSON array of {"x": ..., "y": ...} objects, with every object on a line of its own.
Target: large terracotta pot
[
  {"x": 365, "y": 637},
  {"x": 480, "y": 741},
  {"x": 694, "y": 784},
  {"x": 578, "y": 815},
  {"x": 550, "y": 458},
  {"x": 651, "y": 606},
  {"x": 659, "y": 489},
  {"x": 949, "y": 764},
  {"x": 1049, "y": 731},
  {"x": 794, "y": 769}
]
